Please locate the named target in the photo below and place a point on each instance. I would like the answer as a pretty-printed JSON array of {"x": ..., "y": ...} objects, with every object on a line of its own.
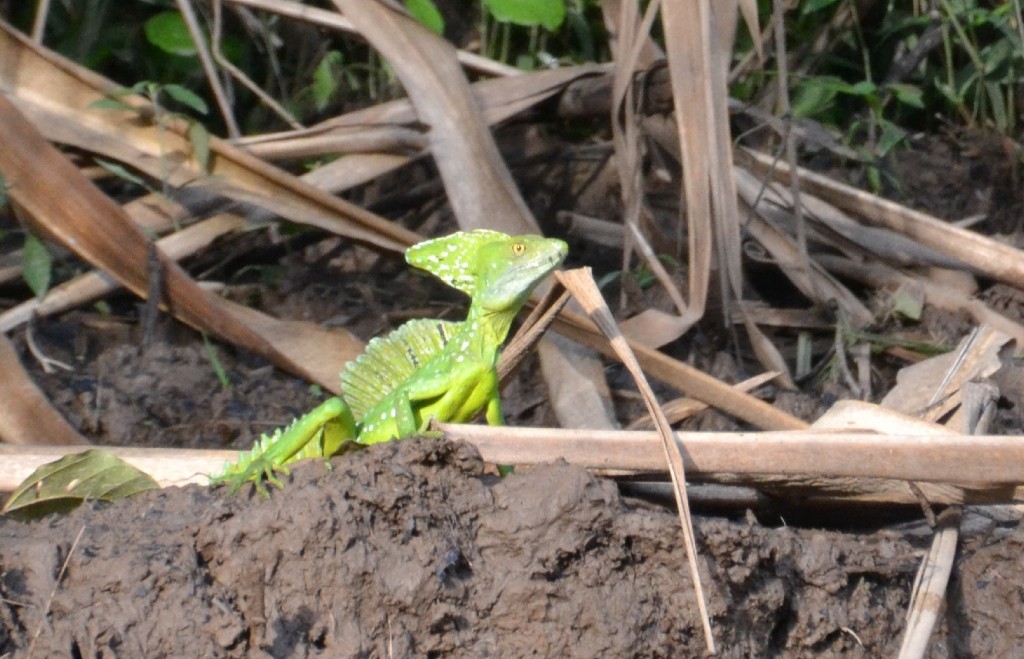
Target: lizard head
[
  {"x": 510, "y": 268},
  {"x": 497, "y": 270}
]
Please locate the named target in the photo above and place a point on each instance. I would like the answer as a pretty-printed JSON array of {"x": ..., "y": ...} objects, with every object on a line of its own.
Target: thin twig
[
  {"x": 47, "y": 363},
  {"x": 238, "y": 75},
  {"x": 989, "y": 466},
  {"x": 53, "y": 593},
  {"x": 203, "y": 50},
  {"x": 39, "y": 24}
]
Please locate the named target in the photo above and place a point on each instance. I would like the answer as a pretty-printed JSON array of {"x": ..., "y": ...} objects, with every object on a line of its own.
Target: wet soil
[
  {"x": 414, "y": 549},
  {"x": 410, "y": 549}
]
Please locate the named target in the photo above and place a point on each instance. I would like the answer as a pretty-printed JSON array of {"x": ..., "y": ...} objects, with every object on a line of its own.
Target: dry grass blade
[
  {"x": 698, "y": 61},
  {"x": 983, "y": 254},
  {"x": 687, "y": 379},
  {"x": 581, "y": 284},
  {"x": 633, "y": 42},
  {"x": 698, "y": 56},
  {"x": 930, "y": 586},
  {"x": 395, "y": 122},
  {"x": 936, "y": 294},
  {"x": 65, "y": 205},
  {"x": 334, "y": 21},
  {"x": 479, "y": 186},
  {"x": 206, "y": 60},
  {"x": 683, "y": 408},
  {"x": 26, "y": 416},
  {"x": 689, "y": 73},
  {"x": 812, "y": 281}
]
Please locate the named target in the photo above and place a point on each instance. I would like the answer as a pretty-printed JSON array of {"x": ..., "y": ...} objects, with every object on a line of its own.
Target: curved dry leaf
[
  {"x": 55, "y": 195},
  {"x": 932, "y": 388},
  {"x": 26, "y": 416},
  {"x": 60, "y": 486}
]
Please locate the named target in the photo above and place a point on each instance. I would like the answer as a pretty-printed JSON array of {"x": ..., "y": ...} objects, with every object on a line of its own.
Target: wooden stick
[{"x": 976, "y": 461}]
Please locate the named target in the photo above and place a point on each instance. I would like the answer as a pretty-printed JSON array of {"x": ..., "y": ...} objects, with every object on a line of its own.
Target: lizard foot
[{"x": 237, "y": 475}]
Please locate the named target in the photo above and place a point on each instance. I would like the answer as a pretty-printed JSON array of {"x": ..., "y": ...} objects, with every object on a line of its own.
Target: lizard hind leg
[{"x": 320, "y": 433}]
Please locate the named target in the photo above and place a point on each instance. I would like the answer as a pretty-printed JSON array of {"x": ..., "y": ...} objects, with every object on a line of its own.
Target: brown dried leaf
[
  {"x": 60, "y": 201},
  {"x": 480, "y": 188},
  {"x": 932, "y": 388},
  {"x": 26, "y": 416}
]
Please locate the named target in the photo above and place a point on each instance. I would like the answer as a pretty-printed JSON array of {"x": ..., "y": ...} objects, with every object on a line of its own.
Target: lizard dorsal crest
[
  {"x": 390, "y": 362},
  {"x": 452, "y": 259}
]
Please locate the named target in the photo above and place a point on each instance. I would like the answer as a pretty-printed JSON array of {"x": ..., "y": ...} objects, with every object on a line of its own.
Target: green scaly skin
[{"x": 426, "y": 370}]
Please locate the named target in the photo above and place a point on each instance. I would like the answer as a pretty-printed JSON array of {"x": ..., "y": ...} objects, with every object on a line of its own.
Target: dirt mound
[{"x": 410, "y": 549}]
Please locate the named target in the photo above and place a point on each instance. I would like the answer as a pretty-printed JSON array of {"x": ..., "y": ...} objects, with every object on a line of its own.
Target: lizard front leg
[
  {"x": 447, "y": 395},
  {"x": 494, "y": 414},
  {"x": 320, "y": 433}
]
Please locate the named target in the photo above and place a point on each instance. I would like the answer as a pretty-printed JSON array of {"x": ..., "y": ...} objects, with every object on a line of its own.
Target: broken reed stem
[{"x": 581, "y": 284}]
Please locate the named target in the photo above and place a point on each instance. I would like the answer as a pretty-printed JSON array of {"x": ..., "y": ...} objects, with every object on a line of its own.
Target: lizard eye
[{"x": 518, "y": 249}]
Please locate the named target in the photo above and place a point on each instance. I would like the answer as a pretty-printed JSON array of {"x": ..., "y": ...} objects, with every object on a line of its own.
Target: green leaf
[
  {"x": 874, "y": 178},
  {"x": 526, "y": 62},
  {"x": 908, "y": 303},
  {"x": 908, "y": 95},
  {"x": 546, "y": 13},
  {"x": 186, "y": 97},
  {"x": 109, "y": 104},
  {"x": 325, "y": 79},
  {"x": 62, "y": 485},
  {"x": 811, "y": 6},
  {"x": 120, "y": 172},
  {"x": 813, "y": 97},
  {"x": 890, "y": 137},
  {"x": 36, "y": 265},
  {"x": 862, "y": 88},
  {"x": 426, "y": 12},
  {"x": 998, "y": 106},
  {"x": 948, "y": 91},
  {"x": 168, "y": 32},
  {"x": 143, "y": 87},
  {"x": 218, "y": 368}
]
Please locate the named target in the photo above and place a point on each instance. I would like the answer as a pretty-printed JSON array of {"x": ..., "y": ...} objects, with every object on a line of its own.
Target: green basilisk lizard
[{"x": 426, "y": 369}]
